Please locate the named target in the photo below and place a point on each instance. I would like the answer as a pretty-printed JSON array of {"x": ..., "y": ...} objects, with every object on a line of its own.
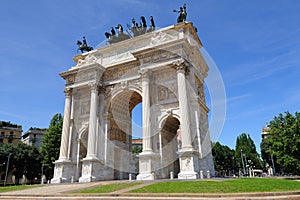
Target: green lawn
[
  {"x": 228, "y": 186},
  {"x": 108, "y": 188},
  {"x": 17, "y": 187}
]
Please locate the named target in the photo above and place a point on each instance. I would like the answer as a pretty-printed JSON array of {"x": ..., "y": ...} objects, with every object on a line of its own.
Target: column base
[
  {"x": 142, "y": 177},
  {"x": 147, "y": 163},
  {"x": 93, "y": 170},
  {"x": 188, "y": 175},
  {"x": 64, "y": 170},
  {"x": 189, "y": 164}
]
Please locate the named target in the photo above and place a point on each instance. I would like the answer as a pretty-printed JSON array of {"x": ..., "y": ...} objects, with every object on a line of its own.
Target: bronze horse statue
[
  {"x": 113, "y": 38},
  {"x": 83, "y": 47}
]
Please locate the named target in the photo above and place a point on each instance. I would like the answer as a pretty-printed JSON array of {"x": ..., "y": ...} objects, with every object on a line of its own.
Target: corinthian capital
[
  {"x": 102, "y": 89},
  {"x": 94, "y": 86},
  {"x": 145, "y": 73},
  {"x": 181, "y": 65},
  {"x": 68, "y": 92}
]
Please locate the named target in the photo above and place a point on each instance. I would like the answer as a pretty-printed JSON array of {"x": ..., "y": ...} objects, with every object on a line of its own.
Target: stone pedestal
[
  {"x": 92, "y": 170},
  {"x": 63, "y": 171},
  {"x": 147, "y": 163},
  {"x": 189, "y": 162}
]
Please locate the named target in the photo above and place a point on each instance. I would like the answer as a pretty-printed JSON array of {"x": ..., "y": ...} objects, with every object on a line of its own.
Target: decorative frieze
[
  {"x": 120, "y": 71},
  {"x": 159, "y": 37}
]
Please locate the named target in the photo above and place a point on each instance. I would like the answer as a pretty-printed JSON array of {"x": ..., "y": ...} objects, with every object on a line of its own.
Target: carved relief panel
[{"x": 200, "y": 89}]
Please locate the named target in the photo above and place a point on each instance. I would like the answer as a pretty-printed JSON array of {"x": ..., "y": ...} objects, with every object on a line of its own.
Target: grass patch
[
  {"x": 107, "y": 188},
  {"x": 17, "y": 187},
  {"x": 228, "y": 186}
]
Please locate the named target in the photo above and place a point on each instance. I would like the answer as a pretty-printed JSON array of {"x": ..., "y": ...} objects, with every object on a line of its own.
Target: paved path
[{"x": 57, "y": 188}]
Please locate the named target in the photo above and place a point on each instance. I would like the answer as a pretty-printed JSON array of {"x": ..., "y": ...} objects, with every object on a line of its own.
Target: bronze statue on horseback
[{"x": 83, "y": 47}]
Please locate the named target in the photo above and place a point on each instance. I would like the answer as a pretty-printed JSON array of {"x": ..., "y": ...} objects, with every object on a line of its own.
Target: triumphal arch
[{"x": 165, "y": 71}]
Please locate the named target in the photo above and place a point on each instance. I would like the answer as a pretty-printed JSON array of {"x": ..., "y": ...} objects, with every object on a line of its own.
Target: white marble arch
[{"x": 164, "y": 70}]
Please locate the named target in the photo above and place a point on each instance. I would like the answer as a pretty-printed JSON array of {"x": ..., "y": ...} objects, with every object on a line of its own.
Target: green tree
[
  {"x": 5, "y": 150},
  {"x": 136, "y": 150},
  {"x": 24, "y": 160},
  {"x": 27, "y": 161},
  {"x": 246, "y": 149},
  {"x": 224, "y": 159},
  {"x": 283, "y": 143},
  {"x": 51, "y": 145}
]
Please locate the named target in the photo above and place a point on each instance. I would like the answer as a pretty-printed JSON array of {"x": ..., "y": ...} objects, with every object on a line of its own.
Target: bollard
[
  {"x": 153, "y": 175},
  {"x": 72, "y": 179},
  {"x": 208, "y": 174},
  {"x": 171, "y": 175},
  {"x": 201, "y": 174},
  {"x": 130, "y": 177}
]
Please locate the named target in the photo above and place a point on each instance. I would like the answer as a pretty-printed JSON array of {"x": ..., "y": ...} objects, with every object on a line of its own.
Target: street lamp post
[
  {"x": 42, "y": 177},
  {"x": 247, "y": 169},
  {"x": 243, "y": 162},
  {"x": 8, "y": 158}
]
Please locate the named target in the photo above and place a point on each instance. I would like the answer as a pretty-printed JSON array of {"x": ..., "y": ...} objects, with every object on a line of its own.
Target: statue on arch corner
[{"x": 182, "y": 14}]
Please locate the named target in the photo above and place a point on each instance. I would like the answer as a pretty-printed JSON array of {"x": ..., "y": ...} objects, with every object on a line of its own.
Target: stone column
[
  {"x": 101, "y": 128},
  {"x": 64, "y": 168},
  {"x": 147, "y": 158},
  {"x": 102, "y": 105},
  {"x": 188, "y": 158},
  {"x": 66, "y": 126},
  {"x": 147, "y": 143},
  {"x": 181, "y": 68},
  {"x": 92, "y": 167},
  {"x": 91, "y": 150}
]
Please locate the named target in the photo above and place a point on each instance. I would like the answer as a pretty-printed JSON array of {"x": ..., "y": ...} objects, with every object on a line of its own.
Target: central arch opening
[{"x": 121, "y": 108}]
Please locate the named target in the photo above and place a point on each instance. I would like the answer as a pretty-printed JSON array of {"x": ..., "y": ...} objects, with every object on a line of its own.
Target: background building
[
  {"x": 137, "y": 143},
  {"x": 10, "y": 133},
  {"x": 265, "y": 132},
  {"x": 34, "y": 136}
]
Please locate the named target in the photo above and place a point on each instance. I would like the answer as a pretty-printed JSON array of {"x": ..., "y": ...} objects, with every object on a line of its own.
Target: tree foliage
[
  {"x": 223, "y": 159},
  {"x": 246, "y": 148},
  {"x": 24, "y": 160},
  {"x": 51, "y": 144},
  {"x": 283, "y": 142}
]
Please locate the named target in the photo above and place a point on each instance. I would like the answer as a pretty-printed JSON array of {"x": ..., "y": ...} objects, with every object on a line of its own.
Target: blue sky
[{"x": 255, "y": 45}]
